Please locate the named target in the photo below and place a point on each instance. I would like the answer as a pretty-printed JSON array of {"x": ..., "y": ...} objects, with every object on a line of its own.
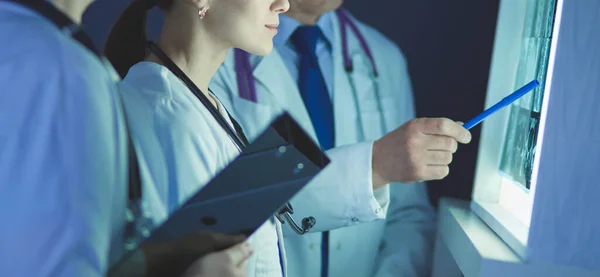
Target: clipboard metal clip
[{"x": 285, "y": 215}]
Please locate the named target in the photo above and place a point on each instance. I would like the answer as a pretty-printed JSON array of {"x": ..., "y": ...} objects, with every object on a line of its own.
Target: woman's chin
[{"x": 261, "y": 50}]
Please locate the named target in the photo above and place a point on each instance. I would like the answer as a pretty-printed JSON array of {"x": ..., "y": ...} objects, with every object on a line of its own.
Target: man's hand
[{"x": 420, "y": 150}]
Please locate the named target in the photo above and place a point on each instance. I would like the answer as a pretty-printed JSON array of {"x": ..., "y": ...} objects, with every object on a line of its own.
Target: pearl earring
[{"x": 202, "y": 12}]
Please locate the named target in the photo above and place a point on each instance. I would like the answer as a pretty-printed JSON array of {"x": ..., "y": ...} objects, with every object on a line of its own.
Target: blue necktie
[
  {"x": 318, "y": 102},
  {"x": 312, "y": 85}
]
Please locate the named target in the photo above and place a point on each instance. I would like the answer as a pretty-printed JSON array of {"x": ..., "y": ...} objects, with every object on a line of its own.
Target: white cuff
[
  {"x": 342, "y": 194},
  {"x": 356, "y": 171}
]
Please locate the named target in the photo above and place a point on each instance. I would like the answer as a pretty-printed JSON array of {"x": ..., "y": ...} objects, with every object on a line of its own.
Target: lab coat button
[
  {"x": 378, "y": 210},
  {"x": 354, "y": 219},
  {"x": 311, "y": 246},
  {"x": 339, "y": 246}
]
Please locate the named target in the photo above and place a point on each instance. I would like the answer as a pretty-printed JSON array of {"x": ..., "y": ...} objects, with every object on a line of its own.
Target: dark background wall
[{"x": 448, "y": 45}]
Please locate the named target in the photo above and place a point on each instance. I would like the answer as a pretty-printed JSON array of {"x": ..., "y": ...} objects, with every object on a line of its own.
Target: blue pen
[{"x": 503, "y": 103}]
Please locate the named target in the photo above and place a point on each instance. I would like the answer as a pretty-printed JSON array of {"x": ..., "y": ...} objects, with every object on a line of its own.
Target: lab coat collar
[
  {"x": 278, "y": 86},
  {"x": 288, "y": 97},
  {"x": 139, "y": 73}
]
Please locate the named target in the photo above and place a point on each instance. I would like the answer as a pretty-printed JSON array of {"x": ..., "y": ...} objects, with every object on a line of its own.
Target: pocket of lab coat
[{"x": 375, "y": 120}]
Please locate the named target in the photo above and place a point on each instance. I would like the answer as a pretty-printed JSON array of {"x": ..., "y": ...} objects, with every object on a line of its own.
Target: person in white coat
[
  {"x": 63, "y": 146},
  {"x": 182, "y": 140},
  {"x": 370, "y": 94}
]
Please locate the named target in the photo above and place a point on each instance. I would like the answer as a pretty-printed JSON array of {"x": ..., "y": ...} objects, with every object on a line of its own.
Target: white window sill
[
  {"x": 478, "y": 251},
  {"x": 506, "y": 226}
]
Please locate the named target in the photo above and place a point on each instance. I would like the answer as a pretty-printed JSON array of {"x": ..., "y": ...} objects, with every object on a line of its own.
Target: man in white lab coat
[
  {"x": 63, "y": 148},
  {"x": 362, "y": 110}
]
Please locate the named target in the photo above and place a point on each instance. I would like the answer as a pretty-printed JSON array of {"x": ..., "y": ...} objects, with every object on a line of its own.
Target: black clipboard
[
  {"x": 248, "y": 192},
  {"x": 252, "y": 188}
]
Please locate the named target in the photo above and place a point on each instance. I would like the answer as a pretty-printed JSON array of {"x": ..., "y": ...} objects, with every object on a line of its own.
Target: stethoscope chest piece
[{"x": 285, "y": 215}]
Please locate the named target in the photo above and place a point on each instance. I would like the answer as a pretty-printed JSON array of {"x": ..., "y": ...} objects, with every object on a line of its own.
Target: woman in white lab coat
[
  {"x": 181, "y": 140},
  {"x": 64, "y": 155}
]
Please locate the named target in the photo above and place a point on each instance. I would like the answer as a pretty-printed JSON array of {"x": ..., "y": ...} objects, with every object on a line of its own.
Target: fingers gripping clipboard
[{"x": 247, "y": 193}]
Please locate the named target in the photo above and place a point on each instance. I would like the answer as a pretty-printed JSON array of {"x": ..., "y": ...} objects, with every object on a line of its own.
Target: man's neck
[
  {"x": 306, "y": 19},
  {"x": 74, "y": 9}
]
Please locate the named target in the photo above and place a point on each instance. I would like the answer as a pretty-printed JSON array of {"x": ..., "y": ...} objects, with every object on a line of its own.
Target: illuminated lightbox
[
  {"x": 505, "y": 181},
  {"x": 537, "y": 181}
]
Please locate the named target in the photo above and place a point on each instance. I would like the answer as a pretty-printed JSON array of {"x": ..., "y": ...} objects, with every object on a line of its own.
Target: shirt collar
[{"x": 288, "y": 25}]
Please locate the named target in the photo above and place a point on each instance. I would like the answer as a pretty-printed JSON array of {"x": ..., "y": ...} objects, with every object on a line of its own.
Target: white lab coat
[
  {"x": 399, "y": 246},
  {"x": 184, "y": 148},
  {"x": 63, "y": 153}
]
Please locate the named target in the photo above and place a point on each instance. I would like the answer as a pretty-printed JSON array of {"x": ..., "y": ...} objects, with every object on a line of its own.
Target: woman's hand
[
  {"x": 230, "y": 262},
  {"x": 175, "y": 257}
]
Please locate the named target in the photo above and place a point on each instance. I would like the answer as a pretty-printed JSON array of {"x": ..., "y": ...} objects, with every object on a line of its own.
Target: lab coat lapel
[
  {"x": 347, "y": 105},
  {"x": 273, "y": 77}
]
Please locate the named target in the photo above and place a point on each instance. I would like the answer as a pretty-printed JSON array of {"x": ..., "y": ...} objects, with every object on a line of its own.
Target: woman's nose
[{"x": 280, "y": 6}]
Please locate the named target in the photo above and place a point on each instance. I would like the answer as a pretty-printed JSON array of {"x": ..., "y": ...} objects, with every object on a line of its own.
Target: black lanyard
[
  {"x": 236, "y": 135},
  {"x": 63, "y": 22}
]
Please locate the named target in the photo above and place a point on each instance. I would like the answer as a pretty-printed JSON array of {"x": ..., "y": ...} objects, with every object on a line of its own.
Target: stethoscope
[
  {"x": 236, "y": 134},
  {"x": 247, "y": 87},
  {"x": 138, "y": 221},
  {"x": 247, "y": 84}
]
